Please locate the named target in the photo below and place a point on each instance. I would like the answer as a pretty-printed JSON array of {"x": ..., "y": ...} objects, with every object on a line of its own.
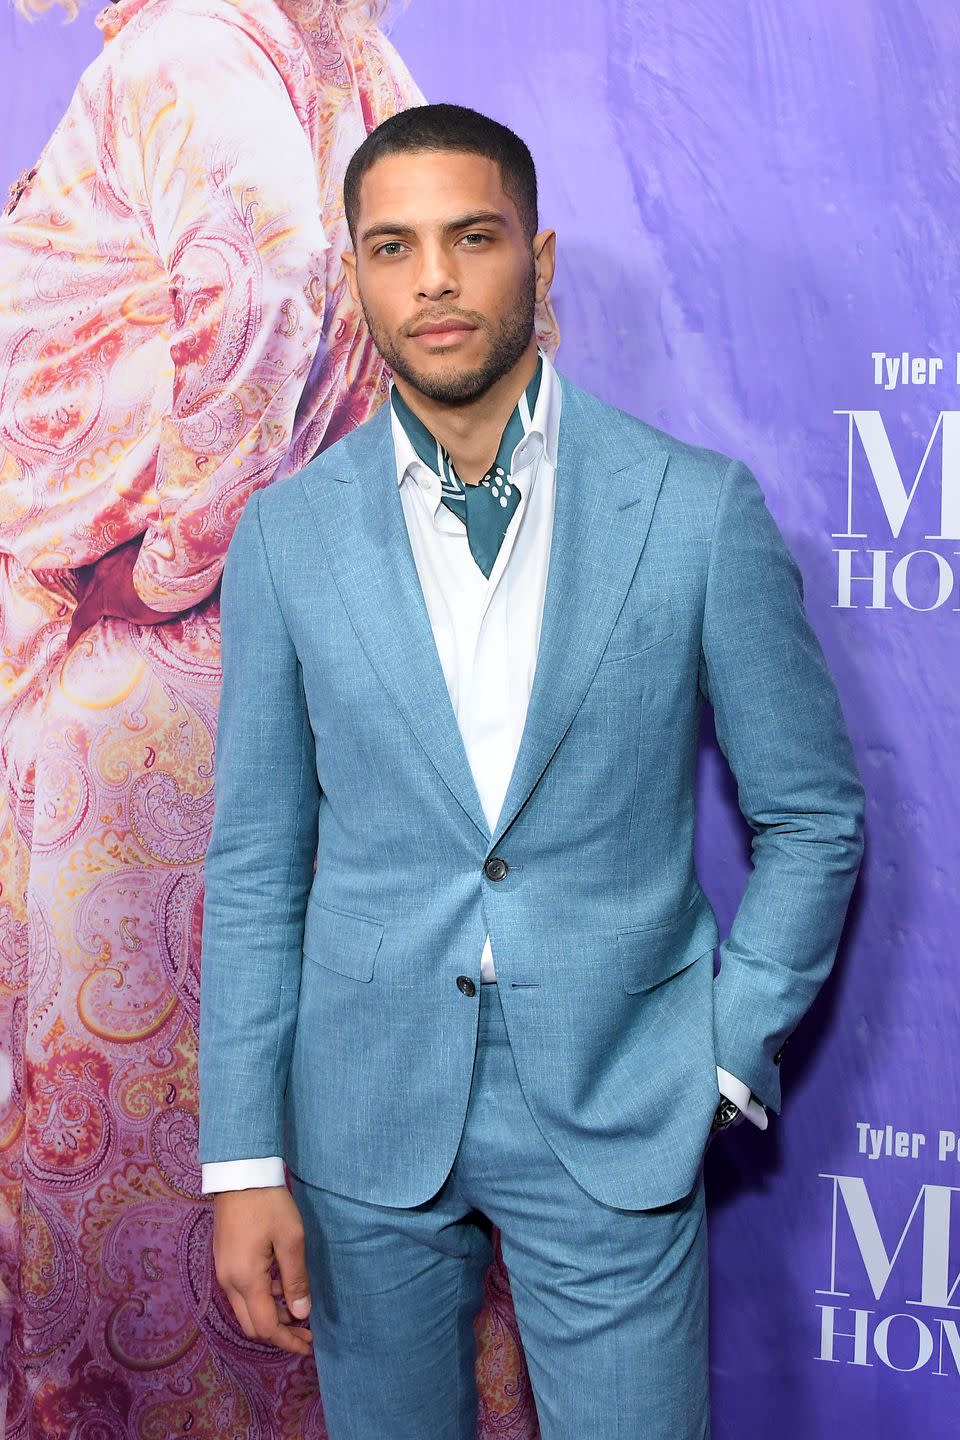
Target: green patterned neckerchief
[{"x": 485, "y": 509}]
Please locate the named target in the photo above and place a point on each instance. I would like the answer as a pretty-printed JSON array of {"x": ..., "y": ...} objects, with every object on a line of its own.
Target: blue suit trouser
[{"x": 611, "y": 1304}]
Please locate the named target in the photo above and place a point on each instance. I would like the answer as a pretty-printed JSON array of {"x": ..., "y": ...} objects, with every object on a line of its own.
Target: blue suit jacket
[{"x": 332, "y": 1029}]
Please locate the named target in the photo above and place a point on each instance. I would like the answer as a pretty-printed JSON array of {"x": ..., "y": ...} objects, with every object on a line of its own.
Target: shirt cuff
[
  {"x": 742, "y": 1096},
  {"x": 218, "y": 1175}
]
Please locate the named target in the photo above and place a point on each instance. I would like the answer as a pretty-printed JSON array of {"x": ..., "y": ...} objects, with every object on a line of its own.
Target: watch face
[{"x": 727, "y": 1112}]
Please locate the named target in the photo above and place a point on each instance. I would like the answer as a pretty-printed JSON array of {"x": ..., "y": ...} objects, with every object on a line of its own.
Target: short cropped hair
[{"x": 453, "y": 128}]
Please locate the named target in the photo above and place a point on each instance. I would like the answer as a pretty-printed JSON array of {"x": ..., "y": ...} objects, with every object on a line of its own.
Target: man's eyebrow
[{"x": 462, "y": 222}]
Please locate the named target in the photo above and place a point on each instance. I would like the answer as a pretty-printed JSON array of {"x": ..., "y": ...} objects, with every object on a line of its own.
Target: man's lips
[
  {"x": 442, "y": 334},
  {"x": 441, "y": 327}
]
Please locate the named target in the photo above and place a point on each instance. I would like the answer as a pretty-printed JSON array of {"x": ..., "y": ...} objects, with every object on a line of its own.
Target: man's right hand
[{"x": 252, "y": 1229}]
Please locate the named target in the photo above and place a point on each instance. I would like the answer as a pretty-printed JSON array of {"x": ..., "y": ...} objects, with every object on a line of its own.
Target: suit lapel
[
  {"x": 359, "y": 516},
  {"x": 605, "y": 496}
]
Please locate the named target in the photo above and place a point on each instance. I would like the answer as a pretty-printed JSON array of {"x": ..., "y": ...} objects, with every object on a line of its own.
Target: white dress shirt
[{"x": 487, "y": 633}]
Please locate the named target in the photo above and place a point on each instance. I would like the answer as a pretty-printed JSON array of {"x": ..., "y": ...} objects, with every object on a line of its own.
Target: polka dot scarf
[{"x": 485, "y": 509}]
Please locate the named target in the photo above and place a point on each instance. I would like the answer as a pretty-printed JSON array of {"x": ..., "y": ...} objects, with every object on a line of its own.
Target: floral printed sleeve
[{"x": 219, "y": 162}]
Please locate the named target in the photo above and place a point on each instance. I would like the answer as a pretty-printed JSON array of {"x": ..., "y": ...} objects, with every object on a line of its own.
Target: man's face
[{"x": 446, "y": 277}]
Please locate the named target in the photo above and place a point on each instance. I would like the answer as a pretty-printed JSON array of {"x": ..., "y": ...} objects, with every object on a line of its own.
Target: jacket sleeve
[
  {"x": 258, "y": 869},
  {"x": 779, "y": 723}
]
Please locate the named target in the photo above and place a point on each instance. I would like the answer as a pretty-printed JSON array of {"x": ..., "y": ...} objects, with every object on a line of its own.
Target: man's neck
[{"x": 471, "y": 433}]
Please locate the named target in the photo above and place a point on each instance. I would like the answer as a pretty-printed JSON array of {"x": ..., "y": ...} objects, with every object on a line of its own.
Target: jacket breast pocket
[
  {"x": 341, "y": 941},
  {"x": 650, "y": 954},
  {"x": 635, "y": 633}
]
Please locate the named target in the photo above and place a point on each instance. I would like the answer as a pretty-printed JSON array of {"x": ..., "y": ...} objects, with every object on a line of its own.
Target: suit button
[
  {"x": 495, "y": 868},
  {"x": 465, "y": 985}
]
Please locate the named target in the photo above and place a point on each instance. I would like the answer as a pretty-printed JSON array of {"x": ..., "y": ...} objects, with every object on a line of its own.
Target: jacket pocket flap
[
  {"x": 634, "y": 633},
  {"x": 341, "y": 941},
  {"x": 650, "y": 954}
]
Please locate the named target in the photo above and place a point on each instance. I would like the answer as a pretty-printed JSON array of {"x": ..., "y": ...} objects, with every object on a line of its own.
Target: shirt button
[
  {"x": 465, "y": 985},
  {"x": 495, "y": 868}
]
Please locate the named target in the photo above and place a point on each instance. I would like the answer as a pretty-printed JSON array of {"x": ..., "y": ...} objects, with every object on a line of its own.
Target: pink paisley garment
[{"x": 175, "y": 333}]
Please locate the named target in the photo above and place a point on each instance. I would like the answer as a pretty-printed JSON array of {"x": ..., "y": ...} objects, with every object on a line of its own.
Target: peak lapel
[
  {"x": 359, "y": 517},
  {"x": 604, "y": 502}
]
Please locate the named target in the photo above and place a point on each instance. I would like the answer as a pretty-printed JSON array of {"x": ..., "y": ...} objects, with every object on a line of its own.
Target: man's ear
[
  {"x": 349, "y": 259},
  {"x": 545, "y": 260}
]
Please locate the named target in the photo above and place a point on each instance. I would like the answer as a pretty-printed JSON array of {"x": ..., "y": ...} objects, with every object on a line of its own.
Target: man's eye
[
  {"x": 390, "y": 247},
  {"x": 474, "y": 235}
]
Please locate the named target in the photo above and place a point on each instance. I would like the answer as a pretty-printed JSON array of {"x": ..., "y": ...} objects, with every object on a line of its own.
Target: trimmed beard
[{"x": 507, "y": 347}]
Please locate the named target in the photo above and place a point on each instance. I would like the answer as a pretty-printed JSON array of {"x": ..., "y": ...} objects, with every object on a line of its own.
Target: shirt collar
[{"x": 542, "y": 436}]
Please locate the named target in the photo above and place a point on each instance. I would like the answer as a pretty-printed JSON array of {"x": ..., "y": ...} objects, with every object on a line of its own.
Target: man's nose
[{"x": 437, "y": 278}]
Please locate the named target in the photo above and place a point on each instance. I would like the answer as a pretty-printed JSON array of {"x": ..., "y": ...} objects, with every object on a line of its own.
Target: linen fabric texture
[{"x": 332, "y": 1028}]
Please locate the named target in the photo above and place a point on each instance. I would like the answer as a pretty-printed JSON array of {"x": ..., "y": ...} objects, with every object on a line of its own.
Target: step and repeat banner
[{"x": 757, "y": 215}]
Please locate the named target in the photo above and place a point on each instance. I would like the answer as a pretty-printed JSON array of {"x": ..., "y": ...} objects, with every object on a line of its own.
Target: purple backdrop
[{"x": 755, "y": 209}]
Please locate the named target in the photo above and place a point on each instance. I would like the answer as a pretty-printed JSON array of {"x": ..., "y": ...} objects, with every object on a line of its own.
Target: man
[{"x": 465, "y": 652}]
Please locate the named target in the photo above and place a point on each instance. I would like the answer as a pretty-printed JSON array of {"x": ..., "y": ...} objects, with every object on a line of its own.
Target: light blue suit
[{"x": 333, "y": 1030}]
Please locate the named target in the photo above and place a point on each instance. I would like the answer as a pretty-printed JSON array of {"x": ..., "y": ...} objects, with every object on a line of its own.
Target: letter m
[
  {"x": 935, "y": 1200},
  {"x": 894, "y": 495}
]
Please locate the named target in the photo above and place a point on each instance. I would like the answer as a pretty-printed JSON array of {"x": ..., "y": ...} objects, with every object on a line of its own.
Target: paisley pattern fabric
[{"x": 174, "y": 334}]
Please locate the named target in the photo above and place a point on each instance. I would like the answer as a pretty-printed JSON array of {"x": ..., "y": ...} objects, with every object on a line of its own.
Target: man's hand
[{"x": 252, "y": 1229}]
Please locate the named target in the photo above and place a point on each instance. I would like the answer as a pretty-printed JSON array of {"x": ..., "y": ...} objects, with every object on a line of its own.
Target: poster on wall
[{"x": 756, "y": 252}]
